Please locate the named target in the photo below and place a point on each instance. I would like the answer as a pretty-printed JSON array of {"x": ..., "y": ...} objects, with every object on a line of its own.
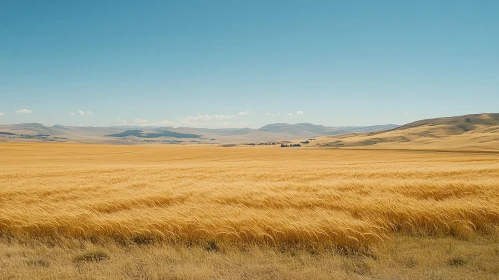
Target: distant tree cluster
[
  {"x": 6, "y": 133},
  {"x": 258, "y": 144},
  {"x": 165, "y": 133},
  {"x": 290, "y": 145}
]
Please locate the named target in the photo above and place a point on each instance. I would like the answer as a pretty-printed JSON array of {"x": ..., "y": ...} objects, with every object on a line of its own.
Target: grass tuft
[
  {"x": 357, "y": 265},
  {"x": 38, "y": 262},
  {"x": 456, "y": 261},
  {"x": 142, "y": 240},
  {"x": 212, "y": 246},
  {"x": 92, "y": 256}
]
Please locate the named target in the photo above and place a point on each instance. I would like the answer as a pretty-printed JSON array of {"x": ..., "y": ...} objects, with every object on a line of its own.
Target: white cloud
[
  {"x": 1, "y": 114},
  {"x": 207, "y": 117},
  {"x": 224, "y": 117},
  {"x": 85, "y": 113},
  {"x": 227, "y": 125},
  {"x": 199, "y": 121},
  {"x": 140, "y": 122},
  {"x": 195, "y": 118},
  {"x": 164, "y": 123},
  {"x": 216, "y": 124},
  {"x": 72, "y": 114},
  {"x": 207, "y": 121},
  {"x": 299, "y": 113},
  {"x": 24, "y": 111},
  {"x": 289, "y": 114},
  {"x": 272, "y": 114},
  {"x": 196, "y": 123}
]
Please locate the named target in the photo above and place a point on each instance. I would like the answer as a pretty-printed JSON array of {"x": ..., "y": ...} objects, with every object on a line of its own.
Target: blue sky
[{"x": 246, "y": 63}]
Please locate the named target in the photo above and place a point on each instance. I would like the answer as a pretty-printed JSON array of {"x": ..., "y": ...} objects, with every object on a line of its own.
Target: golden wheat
[{"x": 262, "y": 195}]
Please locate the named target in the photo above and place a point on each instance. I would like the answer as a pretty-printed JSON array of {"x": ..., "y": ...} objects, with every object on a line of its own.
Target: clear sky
[{"x": 248, "y": 63}]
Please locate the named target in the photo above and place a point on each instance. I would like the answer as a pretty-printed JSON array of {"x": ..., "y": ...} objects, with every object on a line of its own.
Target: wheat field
[
  {"x": 243, "y": 195},
  {"x": 263, "y": 196}
]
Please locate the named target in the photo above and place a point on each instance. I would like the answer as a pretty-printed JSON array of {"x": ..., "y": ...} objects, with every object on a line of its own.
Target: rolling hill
[{"x": 468, "y": 132}]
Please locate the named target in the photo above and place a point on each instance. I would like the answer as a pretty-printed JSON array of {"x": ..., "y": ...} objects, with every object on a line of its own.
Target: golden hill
[{"x": 469, "y": 132}]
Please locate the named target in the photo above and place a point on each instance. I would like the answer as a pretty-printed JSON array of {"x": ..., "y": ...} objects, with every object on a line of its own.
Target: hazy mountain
[
  {"x": 33, "y": 128},
  {"x": 137, "y": 134},
  {"x": 296, "y": 128}
]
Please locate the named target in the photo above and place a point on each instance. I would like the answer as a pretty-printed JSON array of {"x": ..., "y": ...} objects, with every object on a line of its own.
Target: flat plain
[{"x": 196, "y": 212}]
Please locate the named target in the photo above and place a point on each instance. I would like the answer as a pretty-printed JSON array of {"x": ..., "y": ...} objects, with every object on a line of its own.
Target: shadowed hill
[
  {"x": 34, "y": 128},
  {"x": 474, "y": 132},
  {"x": 459, "y": 124}
]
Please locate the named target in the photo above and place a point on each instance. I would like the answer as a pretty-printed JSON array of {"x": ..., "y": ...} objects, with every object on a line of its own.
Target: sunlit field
[{"x": 348, "y": 213}]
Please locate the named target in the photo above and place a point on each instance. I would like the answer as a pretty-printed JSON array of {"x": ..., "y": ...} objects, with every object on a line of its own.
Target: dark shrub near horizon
[{"x": 165, "y": 133}]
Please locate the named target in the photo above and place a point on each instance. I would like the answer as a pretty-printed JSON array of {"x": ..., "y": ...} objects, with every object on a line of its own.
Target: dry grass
[
  {"x": 287, "y": 199},
  {"x": 404, "y": 258}
]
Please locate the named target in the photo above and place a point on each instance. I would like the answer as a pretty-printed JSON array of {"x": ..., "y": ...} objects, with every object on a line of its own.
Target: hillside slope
[{"x": 469, "y": 132}]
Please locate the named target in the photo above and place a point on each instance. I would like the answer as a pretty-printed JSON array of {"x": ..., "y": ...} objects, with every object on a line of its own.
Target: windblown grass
[{"x": 240, "y": 196}]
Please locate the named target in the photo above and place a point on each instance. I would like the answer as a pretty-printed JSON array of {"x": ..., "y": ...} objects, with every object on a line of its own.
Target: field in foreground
[{"x": 251, "y": 212}]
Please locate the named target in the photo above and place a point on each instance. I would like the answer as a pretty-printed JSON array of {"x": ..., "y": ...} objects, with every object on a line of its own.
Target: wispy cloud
[
  {"x": 298, "y": 113},
  {"x": 245, "y": 113},
  {"x": 213, "y": 124},
  {"x": 164, "y": 123},
  {"x": 137, "y": 122},
  {"x": 199, "y": 121},
  {"x": 71, "y": 114},
  {"x": 140, "y": 122},
  {"x": 85, "y": 113},
  {"x": 273, "y": 114},
  {"x": 208, "y": 121},
  {"x": 207, "y": 117},
  {"x": 1, "y": 114},
  {"x": 24, "y": 111}
]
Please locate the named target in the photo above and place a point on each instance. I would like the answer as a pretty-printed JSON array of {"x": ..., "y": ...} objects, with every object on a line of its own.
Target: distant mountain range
[
  {"x": 134, "y": 134},
  {"x": 477, "y": 132}
]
